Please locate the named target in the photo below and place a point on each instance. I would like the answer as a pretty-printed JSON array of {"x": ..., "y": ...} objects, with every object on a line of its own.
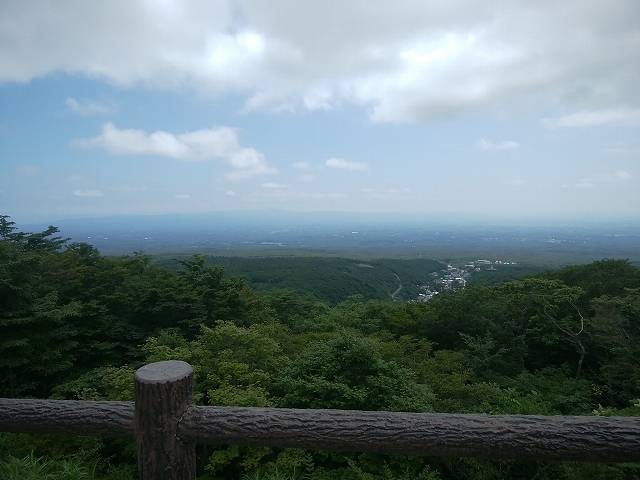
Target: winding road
[{"x": 394, "y": 295}]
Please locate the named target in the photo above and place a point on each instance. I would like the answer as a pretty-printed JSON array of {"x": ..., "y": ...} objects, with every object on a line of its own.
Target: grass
[{"x": 32, "y": 467}]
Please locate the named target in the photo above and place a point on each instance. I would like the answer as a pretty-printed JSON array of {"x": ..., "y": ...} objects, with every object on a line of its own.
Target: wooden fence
[{"x": 166, "y": 427}]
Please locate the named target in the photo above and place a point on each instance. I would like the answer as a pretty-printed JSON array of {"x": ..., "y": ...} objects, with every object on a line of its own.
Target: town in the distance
[{"x": 456, "y": 277}]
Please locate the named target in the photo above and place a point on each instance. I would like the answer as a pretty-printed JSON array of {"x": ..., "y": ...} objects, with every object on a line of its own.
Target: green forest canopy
[
  {"x": 75, "y": 325},
  {"x": 332, "y": 279}
]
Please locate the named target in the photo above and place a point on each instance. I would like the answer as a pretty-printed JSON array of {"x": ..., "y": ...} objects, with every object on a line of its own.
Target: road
[{"x": 394, "y": 295}]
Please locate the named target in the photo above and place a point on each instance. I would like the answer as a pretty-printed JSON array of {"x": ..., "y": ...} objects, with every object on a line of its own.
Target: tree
[
  {"x": 349, "y": 372},
  {"x": 37, "y": 337}
]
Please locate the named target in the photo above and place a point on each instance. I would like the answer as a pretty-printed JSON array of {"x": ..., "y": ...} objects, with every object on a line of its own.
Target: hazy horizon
[
  {"x": 275, "y": 215},
  {"x": 273, "y": 233}
]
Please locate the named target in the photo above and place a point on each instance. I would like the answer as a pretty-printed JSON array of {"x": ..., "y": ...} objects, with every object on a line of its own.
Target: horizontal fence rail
[
  {"x": 593, "y": 439},
  {"x": 72, "y": 417},
  {"x": 167, "y": 426},
  {"x": 420, "y": 434}
]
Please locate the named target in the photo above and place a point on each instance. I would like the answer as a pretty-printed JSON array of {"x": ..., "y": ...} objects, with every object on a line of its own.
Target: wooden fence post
[{"x": 163, "y": 394}]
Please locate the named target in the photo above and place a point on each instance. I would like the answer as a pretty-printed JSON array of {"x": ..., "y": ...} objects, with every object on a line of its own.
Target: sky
[{"x": 511, "y": 109}]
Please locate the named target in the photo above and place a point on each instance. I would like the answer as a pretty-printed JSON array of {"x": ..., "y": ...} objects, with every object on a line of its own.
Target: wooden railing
[{"x": 167, "y": 426}]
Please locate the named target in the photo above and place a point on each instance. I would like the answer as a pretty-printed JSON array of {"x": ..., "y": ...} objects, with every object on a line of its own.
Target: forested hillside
[
  {"x": 326, "y": 278},
  {"x": 75, "y": 325}
]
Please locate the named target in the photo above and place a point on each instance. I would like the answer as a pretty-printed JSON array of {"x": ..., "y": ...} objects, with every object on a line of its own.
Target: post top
[{"x": 163, "y": 372}]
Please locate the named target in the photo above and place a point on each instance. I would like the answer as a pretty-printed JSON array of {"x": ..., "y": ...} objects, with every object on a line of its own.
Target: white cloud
[
  {"x": 595, "y": 118},
  {"x": 88, "y": 107},
  {"x": 342, "y": 164},
  {"x": 230, "y": 193},
  {"x": 486, "y": 145},
  {"x": 274, "y": 186},
  {"x": 92, "y": 193},
  {"x": 182, "y": 196},
  {"x": 409, "y": 60},
  {"x": 219, "y": 143}
]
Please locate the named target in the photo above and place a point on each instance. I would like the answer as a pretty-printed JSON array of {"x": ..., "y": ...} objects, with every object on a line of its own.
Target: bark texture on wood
[
  {"x": 593, "y": 439},
  {"x": 113, "y": 419},
  {"x": 163, "y": 394},
  {"x": 597, "y": 439}
]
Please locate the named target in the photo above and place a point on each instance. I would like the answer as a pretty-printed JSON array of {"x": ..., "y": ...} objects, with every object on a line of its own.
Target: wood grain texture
[
  {"x": 593, "y": 439},
  {"x": 163, "y": 394},
  {"x": 113, "y": 419}
]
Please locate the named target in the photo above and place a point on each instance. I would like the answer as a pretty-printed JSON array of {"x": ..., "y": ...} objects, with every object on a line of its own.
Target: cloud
[
  {"x": 274, "y": 186},
  {"x": 88, "y": 107},
  {"x": 230, "y": 193},
  {"x": 219, "y": 143},
  {"x": 596, "y": 118},
  {"x": 91, "y": 193},
  {"x": 411, "y": 60},
  {"x": 182, "y": 196},
  {"x": 486, "y": 145},
  {"x": 342, "y": 164}
]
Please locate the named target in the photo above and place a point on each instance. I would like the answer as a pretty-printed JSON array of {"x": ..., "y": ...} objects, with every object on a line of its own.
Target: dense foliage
[
  {"x": 331, "y": 279},
  {"x": 75, "y": 325}
]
